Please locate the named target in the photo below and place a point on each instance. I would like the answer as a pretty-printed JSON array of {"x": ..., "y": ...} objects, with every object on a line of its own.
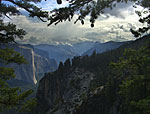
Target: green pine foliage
[
  {"x": 99, "y": 64},
  {"x": 134, "y": 73},
  {"x": 11, "y": 56},
  {"x": 94, "y": 9},
  {"x": 13, "y": 98},
  {"x": 125, "y": 78}
]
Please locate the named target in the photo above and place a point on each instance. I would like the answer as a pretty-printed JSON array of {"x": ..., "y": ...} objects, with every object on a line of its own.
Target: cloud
[
  {"x": 62, "y": 32},
  {"x": 121, "y": 10},
  {"x": 115, "y": 27}
]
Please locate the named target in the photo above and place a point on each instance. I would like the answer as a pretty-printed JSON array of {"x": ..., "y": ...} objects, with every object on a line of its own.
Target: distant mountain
[
  {"x": 41, "y": 58},
  {"x": 63, "y": 52},
  {"x": 57, "y": 52},
  {"x": 80, "y": 48},
  {"x": 103, "y": 47},
  {"x": 81, "y": 88}
]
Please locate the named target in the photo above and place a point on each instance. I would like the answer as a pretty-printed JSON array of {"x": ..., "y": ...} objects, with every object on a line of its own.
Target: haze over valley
[{"x": 74, "y": 57}]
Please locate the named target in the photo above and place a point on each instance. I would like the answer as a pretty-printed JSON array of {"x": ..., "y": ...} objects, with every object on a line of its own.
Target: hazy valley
[
  {"x": 74, "y": 56},
  {"x": 68, "y": 87}
]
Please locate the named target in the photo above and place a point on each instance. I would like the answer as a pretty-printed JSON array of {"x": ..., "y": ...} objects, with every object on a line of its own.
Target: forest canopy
[{"x": 9, "y": 33}]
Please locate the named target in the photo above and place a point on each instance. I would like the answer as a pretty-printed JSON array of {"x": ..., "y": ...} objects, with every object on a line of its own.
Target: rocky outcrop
[
  {"x": 62, "y": 93},
  {"x": 69, "y": 92},
  {"x": 98, "y": 103},
  {"x": 78, "y": 91}
]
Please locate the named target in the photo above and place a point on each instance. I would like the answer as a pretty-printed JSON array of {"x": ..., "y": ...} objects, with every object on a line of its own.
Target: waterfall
[{"x": 33, "y": 66}]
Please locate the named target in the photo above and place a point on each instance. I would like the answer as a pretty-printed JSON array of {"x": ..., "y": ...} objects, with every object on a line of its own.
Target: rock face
[
  {"x": 43, "y": 60},
  {"x": 62, "y": 93},
  {"x": 78, "y": 91},
  {"x": 98, "y": 103},
  {"x": 37, "y": 64},
  {"x": 43, "y": 65}
]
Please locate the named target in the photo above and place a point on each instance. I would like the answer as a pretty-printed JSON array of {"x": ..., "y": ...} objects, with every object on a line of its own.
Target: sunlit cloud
[{"x": 114, "y": 25}]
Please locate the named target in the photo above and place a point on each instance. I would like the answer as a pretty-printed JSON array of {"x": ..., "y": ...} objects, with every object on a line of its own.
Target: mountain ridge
[
  {"x": 63, "y": 52},
  {"x": 93, "y": 101}
]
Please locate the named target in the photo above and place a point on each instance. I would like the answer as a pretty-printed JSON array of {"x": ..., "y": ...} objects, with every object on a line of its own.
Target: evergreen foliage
[
  {"x": 99, "y": 64},
  {"x": 13, "y": 97},
  {"x": 82, "y": 8},
  {"x": 116, "y": 80},
  {"x": 94, "y": 9},
  {"x": 60, "y": 67},
  {"x": 126, "y": 82},
  {"x": 67, "y": 64},
  {"x": 133, "y": 74}
]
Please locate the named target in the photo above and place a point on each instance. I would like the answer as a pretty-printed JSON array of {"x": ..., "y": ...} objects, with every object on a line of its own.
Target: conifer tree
[
  {"x": 11, "y": 97},
  {"x": 132, "y": 74},
  {"x": 67, "y": 64},
  {"x": 94, "y": 8},
  {"x": 14, "y": 98},
  {"x": 61, "y": 66},
  {"x": 88, "y": 7}
]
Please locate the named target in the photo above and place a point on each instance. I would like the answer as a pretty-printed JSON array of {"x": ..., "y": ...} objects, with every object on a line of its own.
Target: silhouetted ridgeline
[{"x": 80, "y": 86}]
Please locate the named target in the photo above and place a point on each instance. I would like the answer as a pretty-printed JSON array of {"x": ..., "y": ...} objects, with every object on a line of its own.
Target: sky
[{"x": 114, "y": 25}]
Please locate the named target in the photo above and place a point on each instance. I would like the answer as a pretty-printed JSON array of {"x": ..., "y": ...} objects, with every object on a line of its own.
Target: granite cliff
[
  {"x": 62, "y": 93},
  {"x": 38, "y": 63},
  {"x": 85, "y": 85}
]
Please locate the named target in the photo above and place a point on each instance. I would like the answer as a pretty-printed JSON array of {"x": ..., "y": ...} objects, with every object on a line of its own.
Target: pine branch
[
  {"x": 42, "y": 14},
  {"x": 7, "y": 103}
]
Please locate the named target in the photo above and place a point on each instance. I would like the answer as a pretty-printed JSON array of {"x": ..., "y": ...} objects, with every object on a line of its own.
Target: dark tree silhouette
[
  {"x": 13, "y": 98},
  {"x": 87, "y": 7}
]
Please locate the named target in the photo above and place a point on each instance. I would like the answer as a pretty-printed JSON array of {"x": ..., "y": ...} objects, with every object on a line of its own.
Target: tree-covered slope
[
  {"x": 126, "y": 90},
  {"x": 101, "y": 96}
]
